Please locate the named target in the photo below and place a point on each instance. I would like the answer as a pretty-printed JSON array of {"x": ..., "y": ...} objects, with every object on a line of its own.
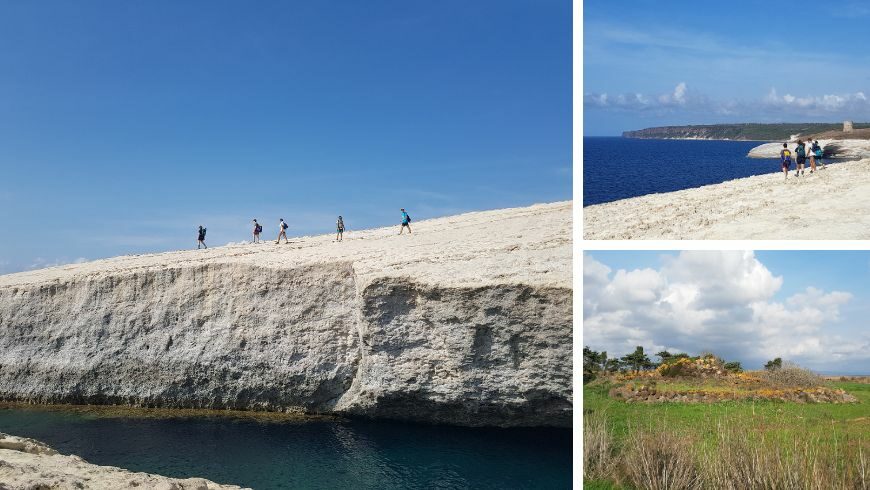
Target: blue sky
[
  {"x": 681, "y": 62},
  {"x": 810, "y": 307},
  {"x": 124, "y": 125}
]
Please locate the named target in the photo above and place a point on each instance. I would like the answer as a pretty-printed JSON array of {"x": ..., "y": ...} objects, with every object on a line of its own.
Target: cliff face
[
  {"x": 852, "y": 149},
  {"x": 468, "y": 321}
]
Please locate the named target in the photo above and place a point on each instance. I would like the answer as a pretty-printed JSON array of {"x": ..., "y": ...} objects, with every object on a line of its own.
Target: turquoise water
[{"x": 309, "y": 454}]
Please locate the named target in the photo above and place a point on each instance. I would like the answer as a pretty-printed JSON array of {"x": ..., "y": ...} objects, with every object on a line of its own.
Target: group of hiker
[
  {"x": 282, "y": 226},
  {"x": 803, "y": 151}
]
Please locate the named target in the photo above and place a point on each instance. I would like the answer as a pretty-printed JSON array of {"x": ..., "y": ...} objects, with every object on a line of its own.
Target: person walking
[
  {"x": 785, "y": 157},
  {"x": 812, "y": 156},
  {"x": 801, "y": 153},
  {"x": 282, "y": 225},
  {"x": 406, "y": 221},
  {"x": 258, "y": 228},
  {"x": 200, "y": 240},
  {"x": 817, "y": 151},
  {"x": 339, "y": 229}
]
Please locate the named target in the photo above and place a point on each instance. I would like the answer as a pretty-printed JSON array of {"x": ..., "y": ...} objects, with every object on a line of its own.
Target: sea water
[
  {"x": 618, "y": 168},
  {"x": 307, "y": 454}
]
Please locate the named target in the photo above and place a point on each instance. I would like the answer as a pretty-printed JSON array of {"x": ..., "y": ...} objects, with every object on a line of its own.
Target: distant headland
[{"x": 755, "y": 131}]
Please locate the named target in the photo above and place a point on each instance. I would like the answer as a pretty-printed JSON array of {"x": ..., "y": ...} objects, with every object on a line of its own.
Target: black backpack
[
  {"x": 409, "y": 217},
  {"x": 259, "y": 228},
  {"x": 284, "y": 225},
  {"x": 203, "y": 233}
]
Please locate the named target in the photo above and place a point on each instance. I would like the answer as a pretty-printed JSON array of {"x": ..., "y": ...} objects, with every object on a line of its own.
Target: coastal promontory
[
  {"x": 30, "y": 464},
  {"x": 467, "y": 321}
]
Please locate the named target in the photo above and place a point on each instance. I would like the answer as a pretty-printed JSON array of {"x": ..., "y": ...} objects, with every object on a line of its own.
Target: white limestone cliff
[
  {"x": 467, "y": 321},
  {"x": 852, "y": 149}
]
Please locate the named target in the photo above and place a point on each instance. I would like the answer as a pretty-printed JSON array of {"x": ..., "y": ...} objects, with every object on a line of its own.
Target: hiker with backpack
[
  {"x": 282, "y": 225},
  {"x": 785, "y": 157},
  {"x": 339, "y": 229},
  {"x": 200, "y": 240},
  {"x": 801, "y": 153},
  {"x": 817, "y": 151},
  {"x": 258, "y": 228},
  {"x": 812, "y": 156},
  {"x": 406, "y": 221}
]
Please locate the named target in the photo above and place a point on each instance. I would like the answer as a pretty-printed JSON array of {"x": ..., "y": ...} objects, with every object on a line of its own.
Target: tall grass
[
  {"x": 598, "y": 447},
  {"x": 736, "y": 453},
  {"x": 738, "y": 461}
]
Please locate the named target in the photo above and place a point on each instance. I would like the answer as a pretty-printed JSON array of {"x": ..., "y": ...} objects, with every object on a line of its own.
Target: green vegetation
[
  {"x": 636, "y": 361},
  {"x": 700, "y": 422},
  {"x": 766, "y": 444},
  {"x": 773, "y": 364},
  {"x": 748, "y": 131},
  {"x": 596, "y": 363},
  {"x": 124, "y": 411}
]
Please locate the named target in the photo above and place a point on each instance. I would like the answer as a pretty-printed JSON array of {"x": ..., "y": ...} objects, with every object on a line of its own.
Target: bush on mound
[
  {"x": 699, "y": 367},
  {"x": 793, "y": 376}
]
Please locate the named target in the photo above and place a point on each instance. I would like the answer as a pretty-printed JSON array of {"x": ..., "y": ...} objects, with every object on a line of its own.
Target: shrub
[
  {"x": 660, "y": 460},
  {"x": 773, "y": 364},
  {"x": 791, "y": 375},
  {"x": 733, "y": 367},
  {"x": 679, "y": 367}
]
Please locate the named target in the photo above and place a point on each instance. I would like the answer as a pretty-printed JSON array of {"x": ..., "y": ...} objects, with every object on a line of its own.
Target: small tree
[
  {"x": 593, "y": 363},
  {"x": 733, "y": 367},
  {"x": 774, "y": 364},
  {"x": 664, "y": 355},
  {"x": 637, "y": 360},
  {"x": 602, "y": 361},
  {"x": 590, "y": 364}
]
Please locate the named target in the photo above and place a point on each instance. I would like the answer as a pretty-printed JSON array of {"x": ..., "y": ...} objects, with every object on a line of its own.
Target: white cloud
[
  {"x": 855, "y": 102},
  {"x": 41, "y": 262},
  {"x": 723, "y": 301},
  {"x": 845, "y": 105},
  {"x": 679, "y": 97}
]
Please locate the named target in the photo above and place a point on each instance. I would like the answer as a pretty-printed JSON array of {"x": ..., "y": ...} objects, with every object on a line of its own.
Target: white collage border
[{"x": 580, "y": 245}]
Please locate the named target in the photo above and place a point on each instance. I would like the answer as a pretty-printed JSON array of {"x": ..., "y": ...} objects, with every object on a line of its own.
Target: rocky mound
[
  {"x": 29, "y": 464},
  {"x": 701, "y": 367},
  {"x": 467, "y": 321},
  {"x": 651, "y": 393},
  {"x": 705, "y": 379}
]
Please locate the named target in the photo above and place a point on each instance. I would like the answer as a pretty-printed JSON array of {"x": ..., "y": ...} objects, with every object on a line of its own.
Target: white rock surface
[
  {"x": 846, "y": 149},
  {"x": 466, "y": 321},
  {"x": 832, "y": 204},
  {"x": 27, "y": 464}
]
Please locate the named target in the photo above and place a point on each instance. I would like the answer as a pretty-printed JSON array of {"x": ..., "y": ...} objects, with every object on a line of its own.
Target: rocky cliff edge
[
  {"x": 30, "y": 464},
  {"x": 467, "y": 321}
]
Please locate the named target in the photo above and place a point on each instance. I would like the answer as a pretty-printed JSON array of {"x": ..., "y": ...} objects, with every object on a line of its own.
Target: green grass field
[{"x": 827, "y": 425}]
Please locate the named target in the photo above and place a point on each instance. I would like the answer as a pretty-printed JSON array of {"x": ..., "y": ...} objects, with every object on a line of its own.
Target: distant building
[{"x": 847, "y": 126}]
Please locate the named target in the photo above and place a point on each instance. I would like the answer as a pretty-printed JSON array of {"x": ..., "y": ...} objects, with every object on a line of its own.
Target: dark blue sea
[
  {"x": 309, "y": 454},
  {"x": 617, "y": 168}
]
